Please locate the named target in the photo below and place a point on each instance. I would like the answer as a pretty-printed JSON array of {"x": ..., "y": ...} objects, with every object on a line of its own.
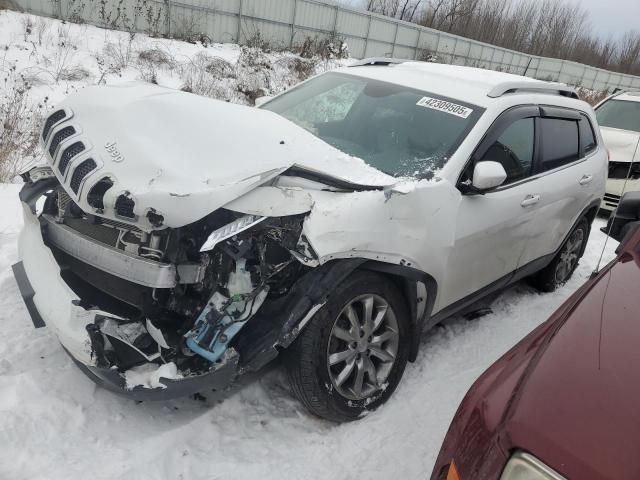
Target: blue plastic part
[
  {"x": 198, "y": 350},
  {"x": 216, "y": 348}
]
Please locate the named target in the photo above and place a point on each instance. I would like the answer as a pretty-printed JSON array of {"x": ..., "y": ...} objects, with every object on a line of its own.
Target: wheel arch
[
  {"x": 589, "y": 213},
  {"x": 592, "y": 211},
  {"x": 407, "y": 280}
]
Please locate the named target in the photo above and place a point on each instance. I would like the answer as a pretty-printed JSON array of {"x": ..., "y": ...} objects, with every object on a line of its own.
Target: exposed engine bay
[{"x": 189, "y": 290}]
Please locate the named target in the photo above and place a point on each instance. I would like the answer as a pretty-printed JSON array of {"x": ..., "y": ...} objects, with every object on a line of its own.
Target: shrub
[
  {"x": 592, "y": 97},
  {"x": 299, "y": 68},
  {"x": 60, "y": 64},
  {"x": 197, "y": 78},
  {"x": 326, "y": 48},
  {"x": 254, "y": 58},
  {"x": 156, "y": 56},
  {"x": 189, "y": 30},
  {"x": 74, "y": 74},
  {"x": 19, "y": 127},
  {"x": 220, "y": 68},
  {"x": 117, "y": 56}
]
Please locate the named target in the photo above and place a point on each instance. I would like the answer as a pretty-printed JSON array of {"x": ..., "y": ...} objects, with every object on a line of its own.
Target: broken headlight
[{"x": 229, "y": 230}]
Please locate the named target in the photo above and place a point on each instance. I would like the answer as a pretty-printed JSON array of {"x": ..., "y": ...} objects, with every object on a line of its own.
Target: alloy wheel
[
  {"x": 569, "y": 256},
  {"x": 363, "y": 347}
]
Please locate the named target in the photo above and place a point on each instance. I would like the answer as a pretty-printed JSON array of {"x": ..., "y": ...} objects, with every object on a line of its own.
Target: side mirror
[
  {"x": 488, "y": 175},
  {"x": 262, "y": 100},
  {"x": 627, "y": 217}
]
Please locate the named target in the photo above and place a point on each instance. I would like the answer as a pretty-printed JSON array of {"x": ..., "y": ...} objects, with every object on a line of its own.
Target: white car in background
[
  {"x": 619, "y": 119},
  {"x": 174, "y": 242}
]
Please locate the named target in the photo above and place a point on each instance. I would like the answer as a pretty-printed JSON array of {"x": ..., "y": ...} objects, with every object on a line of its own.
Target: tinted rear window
[
  {"x": 587, "y": 137},
  {"x": 560, "y": 142}
]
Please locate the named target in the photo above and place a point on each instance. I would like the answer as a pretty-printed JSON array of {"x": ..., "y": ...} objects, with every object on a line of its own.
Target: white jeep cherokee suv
[
  {"x": 174, "y": 242},
  {"x": 619, "y": 119}
]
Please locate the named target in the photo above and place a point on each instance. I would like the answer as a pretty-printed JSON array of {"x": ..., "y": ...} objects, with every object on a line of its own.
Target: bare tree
[
  {"x": 629, "y": 52},
  {"x": 400, "y": 9},
  {"x": 551, "y": 28}
]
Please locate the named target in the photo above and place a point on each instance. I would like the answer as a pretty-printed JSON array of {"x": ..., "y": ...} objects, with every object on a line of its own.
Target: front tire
[
  {"x": 352, "y": 354},
  {"x": 559, "y": 271}
]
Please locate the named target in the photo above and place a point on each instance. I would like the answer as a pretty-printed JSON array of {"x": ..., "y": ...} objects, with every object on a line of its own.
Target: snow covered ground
[{"x": 56, "y": 424}]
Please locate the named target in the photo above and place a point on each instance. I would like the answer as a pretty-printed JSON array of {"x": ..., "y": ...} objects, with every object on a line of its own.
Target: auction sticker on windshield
[{"x": 444, "y": 106}]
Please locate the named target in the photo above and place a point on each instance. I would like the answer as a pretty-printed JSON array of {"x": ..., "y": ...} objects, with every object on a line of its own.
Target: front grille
[
  {"x": 621, "y": 169},
  {"x": 611, "y": 200},
  {"x": 107, "y": 222},
  {"x": 95, "y": 197},
  {"x": 68, "y": 154},
  {"x": 62, "y": 200},
  {"x": 66, "y": 132},
  {"x": 54, "y": 118},
  {"x": 81, "y": 171},
  {"x": 124, "y": 207}
]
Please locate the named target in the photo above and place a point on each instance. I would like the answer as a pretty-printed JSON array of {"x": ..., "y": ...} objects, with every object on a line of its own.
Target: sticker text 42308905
[{"x": 444, "y": 106}]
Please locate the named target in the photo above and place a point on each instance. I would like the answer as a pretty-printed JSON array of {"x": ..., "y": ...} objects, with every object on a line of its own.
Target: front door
[{"x": 493, "y": 229}]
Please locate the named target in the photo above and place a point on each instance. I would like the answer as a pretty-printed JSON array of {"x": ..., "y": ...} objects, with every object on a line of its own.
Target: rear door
[{"x": 569, "y": 175}]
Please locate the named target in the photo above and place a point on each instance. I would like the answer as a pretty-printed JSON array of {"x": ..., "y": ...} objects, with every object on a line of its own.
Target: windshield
[
  {"x": 400, "y": 131},
  {"x": 622, "y": 114}
]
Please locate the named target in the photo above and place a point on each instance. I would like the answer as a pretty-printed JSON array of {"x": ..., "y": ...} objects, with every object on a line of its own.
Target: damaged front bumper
[
  {"x": 218, "y": 378},
  {"x": 82, "y": 288},
  {"x": 51, "y": 302}
]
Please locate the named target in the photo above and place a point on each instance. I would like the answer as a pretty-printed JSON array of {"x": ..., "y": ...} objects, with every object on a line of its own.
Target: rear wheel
[
  {"x": 353, "y": 352},
  {"x": 559, "y": 271}
]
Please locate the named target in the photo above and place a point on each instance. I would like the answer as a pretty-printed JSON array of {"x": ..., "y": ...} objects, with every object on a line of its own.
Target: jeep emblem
[{"x": 113, "y": 151}]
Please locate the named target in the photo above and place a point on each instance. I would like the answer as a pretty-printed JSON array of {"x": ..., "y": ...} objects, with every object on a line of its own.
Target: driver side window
[{"x": 514, "y": 150}]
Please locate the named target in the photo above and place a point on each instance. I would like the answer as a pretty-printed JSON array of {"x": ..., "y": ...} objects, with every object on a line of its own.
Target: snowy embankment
[
  {"x": 56, "y": 424},
  {"x": 43, "y": 60}
]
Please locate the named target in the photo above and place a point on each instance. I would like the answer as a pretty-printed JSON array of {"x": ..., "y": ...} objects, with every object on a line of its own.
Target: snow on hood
[
  {"x": 622, "y": 144},
  {"x": 162, "y": 145}
]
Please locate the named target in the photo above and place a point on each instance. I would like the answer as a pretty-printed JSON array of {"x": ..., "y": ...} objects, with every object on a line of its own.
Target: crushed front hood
[
  {"x": 185, "y": 156},
  {"x": 622, "y": 144}
]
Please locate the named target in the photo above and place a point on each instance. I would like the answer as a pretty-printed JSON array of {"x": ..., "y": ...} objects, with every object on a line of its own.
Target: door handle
[
  {"x": 586, "y": 179},
  {"x": 530, "y": 200}
]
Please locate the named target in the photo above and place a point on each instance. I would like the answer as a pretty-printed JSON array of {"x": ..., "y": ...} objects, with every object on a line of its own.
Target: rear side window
[
  {"x": 560, "y": 142},
  {"x": 587, "y": 137}
]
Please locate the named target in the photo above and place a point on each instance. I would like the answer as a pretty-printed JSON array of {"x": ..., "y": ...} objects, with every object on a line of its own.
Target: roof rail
[
  {"x": 380, "y": 61},
  {"x": 633, "y": 93},
  {"x": 532, "y": 87}
]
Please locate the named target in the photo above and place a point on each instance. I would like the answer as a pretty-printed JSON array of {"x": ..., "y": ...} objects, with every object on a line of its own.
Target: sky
[
  {"x": 613, "y": 17},
  {"x": 608, "y": 17}
]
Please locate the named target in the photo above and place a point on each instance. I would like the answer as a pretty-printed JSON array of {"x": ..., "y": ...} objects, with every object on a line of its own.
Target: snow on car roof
[{"x": 455, "y": 81}]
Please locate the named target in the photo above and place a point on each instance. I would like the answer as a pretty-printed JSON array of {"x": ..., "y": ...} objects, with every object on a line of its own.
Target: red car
[{"x": 565, "y": 402}]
